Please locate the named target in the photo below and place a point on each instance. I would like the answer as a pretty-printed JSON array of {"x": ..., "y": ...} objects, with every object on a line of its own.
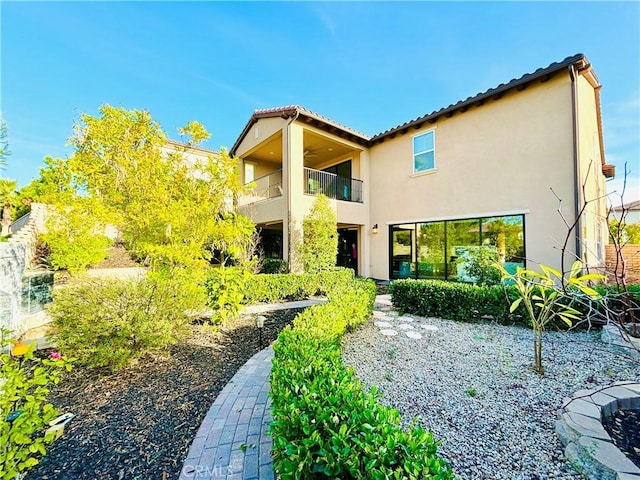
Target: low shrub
[
  {"x": 274, "y": 265},
  {"x": 292, "y": 286},
  {"x": 106, "y": 323},
  {"x": 455, "y": 301},
  {"x": 24, "y": 410},
  {"x": 325, "y": 424}
]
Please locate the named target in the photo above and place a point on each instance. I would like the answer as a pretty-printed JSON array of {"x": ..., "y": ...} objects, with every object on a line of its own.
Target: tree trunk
[{"x": 537, "y": 351}]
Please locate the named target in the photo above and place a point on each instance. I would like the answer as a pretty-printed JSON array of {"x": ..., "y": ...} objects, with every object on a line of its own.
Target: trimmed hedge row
[
  {"x": 325, "y": 424},
  {"x": 466, "y": 302},
  {"x": 455, "y": 301},
  {"x": 271, "y": 288}
]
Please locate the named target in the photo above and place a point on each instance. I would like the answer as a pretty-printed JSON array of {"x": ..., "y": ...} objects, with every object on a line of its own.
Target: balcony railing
[
  {"x": 332, "y": 185},
  {"x": 263, "y": 188}
]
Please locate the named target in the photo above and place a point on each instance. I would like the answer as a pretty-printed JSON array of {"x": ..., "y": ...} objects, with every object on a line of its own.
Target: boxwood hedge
[{"x": 325, "y": 424}]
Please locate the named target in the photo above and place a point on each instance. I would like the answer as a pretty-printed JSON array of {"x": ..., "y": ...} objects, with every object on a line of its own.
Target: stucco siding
[{"x": 503, "y": 156}]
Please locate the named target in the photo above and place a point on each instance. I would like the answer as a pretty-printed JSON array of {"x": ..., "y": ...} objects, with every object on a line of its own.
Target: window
[
  {"x": 249, "y": 172},
  {"x": 424, "y": 152},
  {"x": 440, "y": 250}
]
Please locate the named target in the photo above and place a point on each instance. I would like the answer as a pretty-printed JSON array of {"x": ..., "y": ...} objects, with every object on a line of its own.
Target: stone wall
[
  {"x": 12, "y": 256},
  {"x": 27, "y": 234},
  {"x": 631, "y": 255}
]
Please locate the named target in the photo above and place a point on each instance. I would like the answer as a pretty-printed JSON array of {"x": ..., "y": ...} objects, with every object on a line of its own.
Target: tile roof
[
  {"x": 291, "y": 111},
  {"x": 540, "y": 73}
]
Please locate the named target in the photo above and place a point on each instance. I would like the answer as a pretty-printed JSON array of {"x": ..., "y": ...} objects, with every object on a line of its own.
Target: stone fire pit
[{"x": 589, "y": 447}]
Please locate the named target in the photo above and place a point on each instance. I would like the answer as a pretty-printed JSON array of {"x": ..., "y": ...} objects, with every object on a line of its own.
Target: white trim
[
  {"x": 424, "y": 172},
  {"x": 506, "y": 213},
  {"x": 413, "y": 153}
]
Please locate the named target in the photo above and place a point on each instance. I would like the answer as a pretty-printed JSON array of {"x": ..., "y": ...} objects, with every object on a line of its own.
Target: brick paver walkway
[{"x": 232, "y": 442}]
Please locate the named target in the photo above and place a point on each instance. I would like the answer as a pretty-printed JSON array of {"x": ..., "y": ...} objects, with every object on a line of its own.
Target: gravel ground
[
  {"x": 472, "y": 385},
  {"x": 138, "y": 423}
]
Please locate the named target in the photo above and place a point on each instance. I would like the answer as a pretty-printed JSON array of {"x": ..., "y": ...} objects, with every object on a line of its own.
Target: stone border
[{"x": 589, "y": 448}]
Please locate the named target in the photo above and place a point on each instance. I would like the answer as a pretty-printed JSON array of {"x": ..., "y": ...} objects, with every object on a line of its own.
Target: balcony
[
  {"x": 332, "y": 185},
  {"x": 264, "y": 188}
]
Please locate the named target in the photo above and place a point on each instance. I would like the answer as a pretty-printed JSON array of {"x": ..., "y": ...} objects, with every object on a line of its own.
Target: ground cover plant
[{"x": 325, "y": 423}]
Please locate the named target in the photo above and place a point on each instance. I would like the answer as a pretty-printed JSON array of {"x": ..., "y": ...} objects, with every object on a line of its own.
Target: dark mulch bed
[
  {"x": 139, "y": 422},
  {"x": 624, "y": 428}
]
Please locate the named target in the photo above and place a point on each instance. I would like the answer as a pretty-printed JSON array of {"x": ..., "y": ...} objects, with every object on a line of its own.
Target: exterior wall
[
  {"x": 498, "y": 158},
  {"x": 593, "y": 222},
  {"x": 260, "y": 132},
  {"x": 267, "y": 211}
]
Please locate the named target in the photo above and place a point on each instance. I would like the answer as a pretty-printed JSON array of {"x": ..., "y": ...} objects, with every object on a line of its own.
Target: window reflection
[{"x": 441, "y": 250}]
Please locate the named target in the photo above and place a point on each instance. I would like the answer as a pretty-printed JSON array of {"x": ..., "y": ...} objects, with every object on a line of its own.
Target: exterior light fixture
[
  {"x": 374, "y": 230},
  {"x": 260, "y": 324}
]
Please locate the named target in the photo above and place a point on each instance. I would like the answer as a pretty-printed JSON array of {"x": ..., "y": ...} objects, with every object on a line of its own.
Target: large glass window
[
  {"x": 442, "y": 249},
  {"x": 424, "y": 152},
  {"x": 403, "y": 251},
  {"x": 462, "y": 237},
  {"x": 430, "y": 246}
]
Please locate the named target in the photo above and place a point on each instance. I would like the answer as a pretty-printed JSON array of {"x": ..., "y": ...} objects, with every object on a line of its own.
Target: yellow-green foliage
[
  {"x": 24, "y": 411},
  {"x": 106, "y": 323},
  {"x": 320, "y": 239},
  {"x": 325, "y": 424}
]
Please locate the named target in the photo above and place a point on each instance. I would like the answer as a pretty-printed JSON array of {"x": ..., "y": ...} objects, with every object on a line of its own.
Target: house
[
  {"x": 417, "y": 199},
  {"x": 631, "y": 212}
]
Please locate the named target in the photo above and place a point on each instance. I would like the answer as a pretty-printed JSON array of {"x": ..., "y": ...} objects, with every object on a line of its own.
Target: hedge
[
  {"x": 271, "y": 288},
  {"x": 454, "y": 301},
  {"x": 325, "y": 424},
  {"x": 467, "y": 302}
]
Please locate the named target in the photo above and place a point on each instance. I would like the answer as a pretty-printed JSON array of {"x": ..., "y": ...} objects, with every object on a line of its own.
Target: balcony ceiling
[{"x": 319, "y": 150}]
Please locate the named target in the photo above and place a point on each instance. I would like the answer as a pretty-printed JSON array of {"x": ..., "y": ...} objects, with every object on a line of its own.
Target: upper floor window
[
  {"x": 424, "y": 152},
  {"x": 249, "y": 172}
]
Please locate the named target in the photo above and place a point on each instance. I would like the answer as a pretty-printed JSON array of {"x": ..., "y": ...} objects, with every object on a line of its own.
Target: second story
[{"x": 288, "y": 155}]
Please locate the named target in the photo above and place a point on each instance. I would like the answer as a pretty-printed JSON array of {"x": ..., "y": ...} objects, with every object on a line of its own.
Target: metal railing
[
  {"x": 19, "y": 223},
  {"x": 332, "y": 185},
  {"x": 265, "y": 187}
]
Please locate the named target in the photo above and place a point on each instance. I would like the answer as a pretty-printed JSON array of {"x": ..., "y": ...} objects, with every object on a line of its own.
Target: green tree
[
  {"x": 7, "y": 197},
  {"x": 169, "y": 210},
  {"x": 546, "y": 296},
  {"x": 628, "y": 232},
  {"x": 320, "y": 238},
  {"x": 194, "y": 132}
]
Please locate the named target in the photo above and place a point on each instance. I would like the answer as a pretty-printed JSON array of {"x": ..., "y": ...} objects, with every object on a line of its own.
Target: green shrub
[
  {"x": 226, "y": 288},
  {"x": 454, "y": 301},
  {"x": 75, "y": 254},
  {"x": 73, "y": 239},
  {"x": 24, "y": 411},
  {"x": 106, "y": 323},
  {"x": 274, "y": 265},
  {"x": 480, "y": 266},
  {"x": 320, "y": 237},
  {"x": 292, "y": 286},
  {"x": 325, "y": 424}
]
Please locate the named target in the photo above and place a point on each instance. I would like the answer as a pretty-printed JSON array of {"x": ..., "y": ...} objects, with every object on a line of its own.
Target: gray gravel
[{"x": 472, "y": 385}]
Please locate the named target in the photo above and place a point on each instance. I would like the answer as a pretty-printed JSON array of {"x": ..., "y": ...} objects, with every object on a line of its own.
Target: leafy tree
[
  {"x": 7, "y": 196},
  {"x": 480, "y": 265},
  {"x": 194, "y": 132},
  {"x": 169, "y": 211},
  {"x": 320, "y": 237},
  {"x": 628, "y": 232}
]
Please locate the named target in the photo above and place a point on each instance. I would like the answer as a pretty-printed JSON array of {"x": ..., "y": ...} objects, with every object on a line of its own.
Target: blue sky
[{"x": 367, "y": 65}]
